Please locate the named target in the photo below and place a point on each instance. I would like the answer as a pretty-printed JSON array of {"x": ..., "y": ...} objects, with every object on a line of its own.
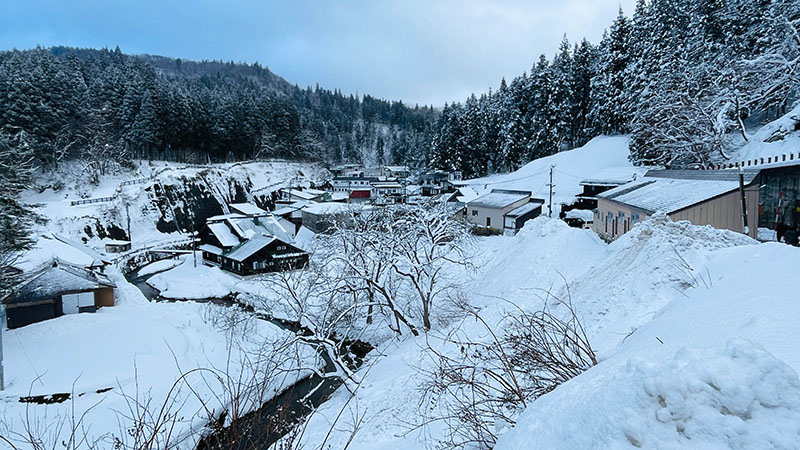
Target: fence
[
  {"x": 756, "y": 161},
  {"x": 87, "y": 201}
]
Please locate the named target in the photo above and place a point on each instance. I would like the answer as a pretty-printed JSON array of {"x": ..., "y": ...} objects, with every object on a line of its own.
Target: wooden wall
[{"x": 724, "y": 212}]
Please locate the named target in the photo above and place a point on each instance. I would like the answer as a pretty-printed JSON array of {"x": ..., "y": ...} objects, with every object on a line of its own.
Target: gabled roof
[
  {"x": 223, "y": 234},
  {"x": 669, "y": 191},
  {"x": 56, "y": 278},
  {"x": 249, "y": 247},
  {"x": 499, "y": 198}
]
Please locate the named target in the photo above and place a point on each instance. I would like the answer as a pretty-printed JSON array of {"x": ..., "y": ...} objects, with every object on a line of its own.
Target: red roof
[{"x": 359, "y": 194}]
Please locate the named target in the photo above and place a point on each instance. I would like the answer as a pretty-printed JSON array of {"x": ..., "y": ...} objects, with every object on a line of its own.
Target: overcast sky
[{"x": 418, "y": 51}]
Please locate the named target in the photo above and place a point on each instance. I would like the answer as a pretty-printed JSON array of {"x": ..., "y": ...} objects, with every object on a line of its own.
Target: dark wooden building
[
  {"x": 259, "y": 254},
  {"x": 55, "y": 289}
]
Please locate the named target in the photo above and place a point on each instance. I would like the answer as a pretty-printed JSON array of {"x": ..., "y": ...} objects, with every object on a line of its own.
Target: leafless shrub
[{"x": 478, "y": 387}]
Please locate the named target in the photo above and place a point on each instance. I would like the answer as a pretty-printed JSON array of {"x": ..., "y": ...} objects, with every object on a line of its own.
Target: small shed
[
  {"x": 516, "y": 218},
  {"x": 55, "y": 289}
]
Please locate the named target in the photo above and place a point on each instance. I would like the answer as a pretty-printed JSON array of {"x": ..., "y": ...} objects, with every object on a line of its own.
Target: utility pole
[
  {"x": 745, "y": 228},
  {"x": 550, "y": 205}
]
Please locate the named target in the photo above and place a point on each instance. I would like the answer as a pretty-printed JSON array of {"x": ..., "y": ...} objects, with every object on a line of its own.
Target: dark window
[
  {"x": 488, "y": 221},
  {"x": 474, "y": 212}
]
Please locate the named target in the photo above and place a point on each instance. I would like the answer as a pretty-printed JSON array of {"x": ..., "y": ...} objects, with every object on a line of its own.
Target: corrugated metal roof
[
  {"x": 673, "y": 190},
  {"x": 499, "y": 198},
  {"x": 247, "y": 208}
]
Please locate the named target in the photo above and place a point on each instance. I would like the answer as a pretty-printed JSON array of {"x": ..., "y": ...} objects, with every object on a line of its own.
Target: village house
[
  {"x": 54, "y": 289},
  {"x": 503, "y": 210},
  {"x": 703, "y": 197},
  {"x": 398, "y": 172},
  {"x": 289, "y": 195},
  {"x": 258, "y": 254},
  {"x": 387, "y": 192},
  {"x": 438, "y": 182},
  {"x": 351, "y": 183},
  {"x": 322, "y": 217},
  {"x": 250, "y": 241}
]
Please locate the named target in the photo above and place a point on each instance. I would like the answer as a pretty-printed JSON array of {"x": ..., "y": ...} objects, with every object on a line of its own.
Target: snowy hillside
[
  {"x": 161, "y": 199},
  {"x": 569, "y": 169},
  {"x": 775, "y": 139}
]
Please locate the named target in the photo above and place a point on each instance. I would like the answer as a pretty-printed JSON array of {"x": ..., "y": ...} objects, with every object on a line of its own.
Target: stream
[{"x": 263, "y": 427}]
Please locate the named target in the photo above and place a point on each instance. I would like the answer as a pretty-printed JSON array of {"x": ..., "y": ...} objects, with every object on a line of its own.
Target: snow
[
  {"x": 159, "y": 266},
  {"x": 498, "y": 199},
  {"x": 569, "y": 169},
  {"x": 134, "y": 348},
  {"x": 667, "y": 194},
  {"x": 247, "y": 209},
  {"x": 524, "y": 209},
  {"x": 188, "y": 282},
  {"x": 324, "y": 208},
  {"x": 615, "y": 176},
  {"x": 249, "y": 247},
  {"x": 223, "y": 234},
  {"x": 777, "y": 138},
  {"x": 663, "y": 306},
  {"x": 583, "y": 214},
  {"x": 740, "y": 397}
]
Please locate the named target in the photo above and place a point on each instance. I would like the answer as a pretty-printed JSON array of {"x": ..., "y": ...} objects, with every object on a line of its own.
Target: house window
[
  {"x": 474, "y": 212},
  {"x": 634, "y": 218},
  {"x": 488, "y": 221},
  {"x": 281, "y": 247}
]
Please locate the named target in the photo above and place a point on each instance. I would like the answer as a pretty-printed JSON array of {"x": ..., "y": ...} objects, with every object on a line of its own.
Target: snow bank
[{"x": 738, "y": 398}]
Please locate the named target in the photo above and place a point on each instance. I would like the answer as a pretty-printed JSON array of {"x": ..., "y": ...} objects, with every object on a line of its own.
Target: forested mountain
[
  {"x": 683, "y": 77},
  {"x": 103, "y": 105}
]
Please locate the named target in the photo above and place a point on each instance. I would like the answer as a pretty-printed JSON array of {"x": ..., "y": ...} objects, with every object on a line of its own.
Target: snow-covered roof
[
  {"x": 56, "y": 278},
  {"x": 614, "y": 176},
  {"x": 586, "y": 215},
  {"x": 223, "y": 234},
  {"x": 499, "y": 198},
  {"x": 288, "y": 209},
  {"x": 249, "y": 247},
  {"x": 306, "y": 195},
  {"x": 466, "y": 194},
  {"x": 320, "y": 209},
  {"x": 526, "y": 208},
  {"x": 386, "y": 185},
  {"x": 210, "y": 248},
  {"x": 672, "y": 190},
  {"x": 247, "y": 208}
]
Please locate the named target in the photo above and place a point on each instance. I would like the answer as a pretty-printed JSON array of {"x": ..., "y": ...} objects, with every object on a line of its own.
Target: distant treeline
[
  {"x": 684, "y": 77},
  {"x": 103, "y": 105}
]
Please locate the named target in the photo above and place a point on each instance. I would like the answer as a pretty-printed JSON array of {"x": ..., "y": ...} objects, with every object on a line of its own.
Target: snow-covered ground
[
  {"x": 775, "y": 139},
  {"x": 693, "y": 328},
  {"x": 569, "y": 169},
  {"x": 139, "y": 350}
]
